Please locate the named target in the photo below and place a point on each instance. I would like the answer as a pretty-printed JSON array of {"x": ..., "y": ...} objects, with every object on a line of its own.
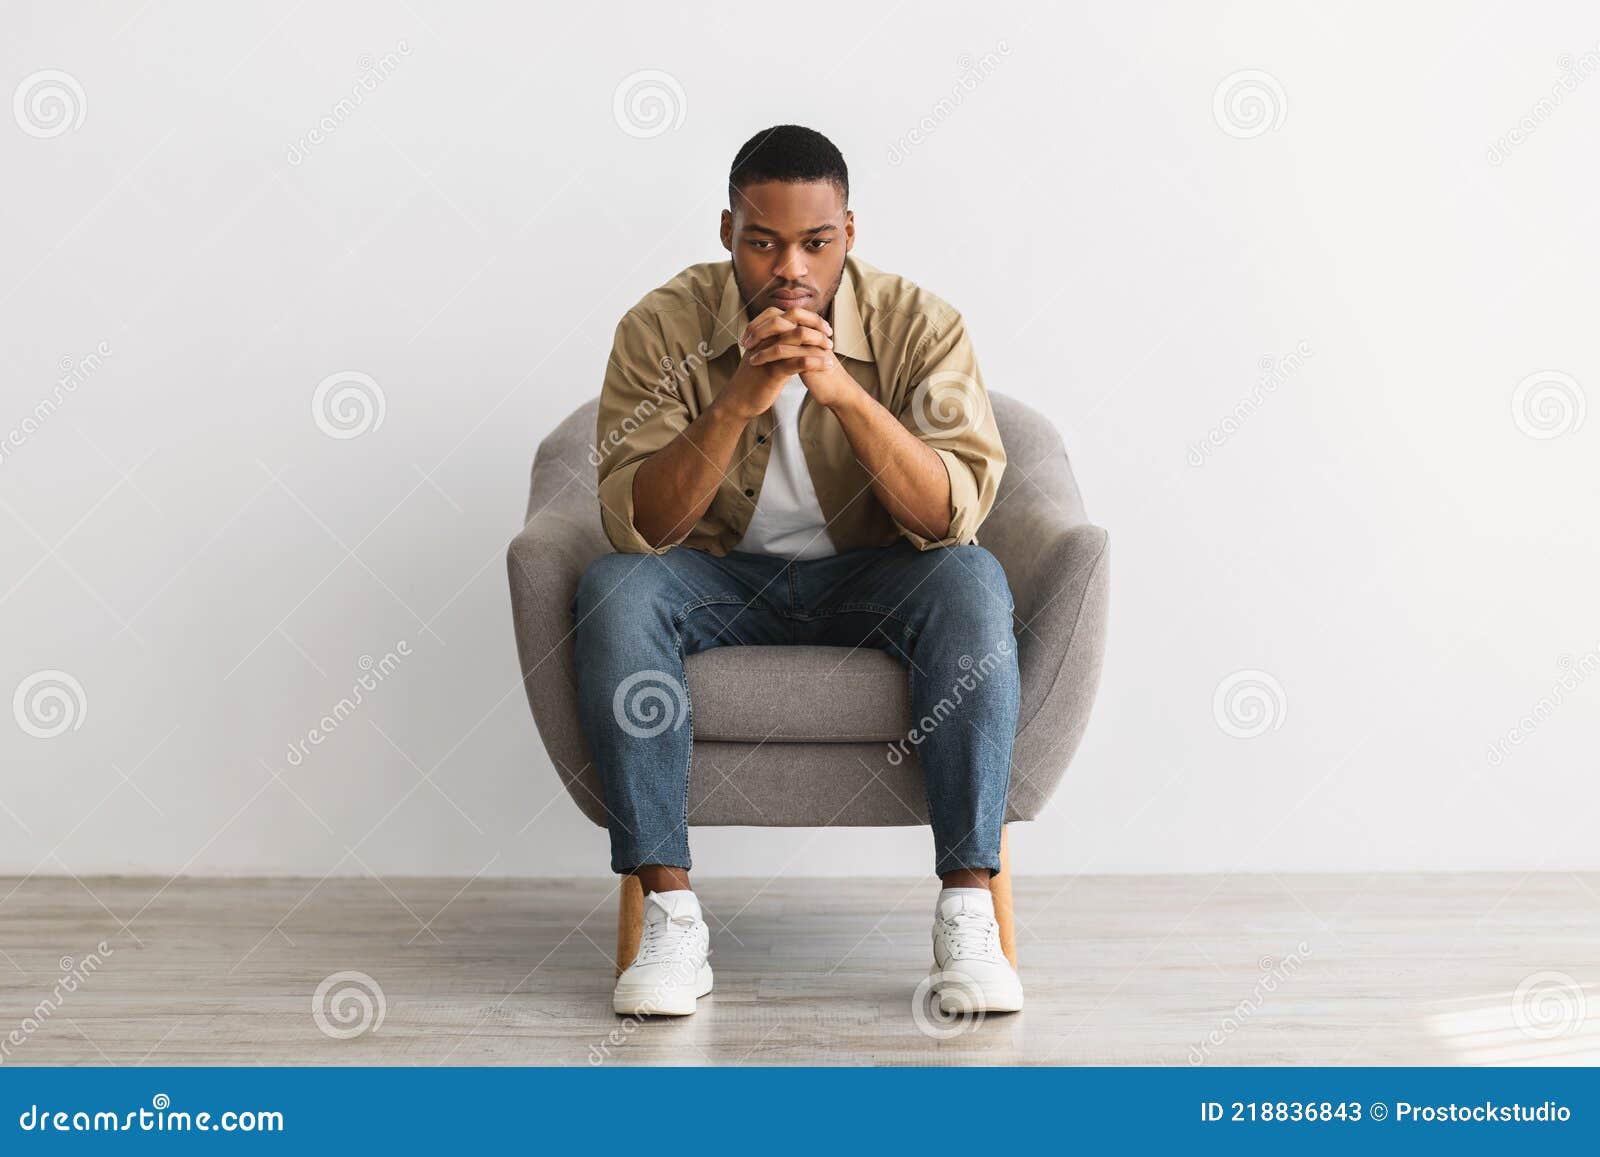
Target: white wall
[{"x": 1382, "y": 536}]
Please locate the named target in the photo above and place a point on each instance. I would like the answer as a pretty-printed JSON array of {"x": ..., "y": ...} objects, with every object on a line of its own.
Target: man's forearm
[
  {"x": 907, "y": 475},
  {"x": 676, "y": 484}
]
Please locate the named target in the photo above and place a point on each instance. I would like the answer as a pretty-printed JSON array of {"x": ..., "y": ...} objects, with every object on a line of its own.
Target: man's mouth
[{"x": 791, "y": 297}]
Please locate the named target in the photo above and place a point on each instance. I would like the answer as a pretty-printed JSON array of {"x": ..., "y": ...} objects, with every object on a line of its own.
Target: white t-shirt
[{"x": 787, "y": 520}]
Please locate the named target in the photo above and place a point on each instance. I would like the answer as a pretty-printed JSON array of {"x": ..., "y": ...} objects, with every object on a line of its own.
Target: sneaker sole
[
  {"x": 648, "y": 1002},
  {"x": 971, "y": 997}
]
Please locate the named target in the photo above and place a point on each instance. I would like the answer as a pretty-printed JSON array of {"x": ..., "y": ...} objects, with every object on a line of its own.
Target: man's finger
[
  {"x": 809, "y": 319},
  {"x": 807, "y": 365},
  {"x": 799, "y": 335},
  {"x": 747, "y": 338},
  {"x": 782, "y": 352},
  {"x": 765, "y": 327}
]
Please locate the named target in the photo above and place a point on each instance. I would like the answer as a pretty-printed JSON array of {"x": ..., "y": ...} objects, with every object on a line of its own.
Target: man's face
[{"x": 788, "y": 242}]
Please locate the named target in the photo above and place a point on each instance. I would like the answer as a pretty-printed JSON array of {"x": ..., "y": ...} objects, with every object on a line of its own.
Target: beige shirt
[{"x": 676, "y": 350}]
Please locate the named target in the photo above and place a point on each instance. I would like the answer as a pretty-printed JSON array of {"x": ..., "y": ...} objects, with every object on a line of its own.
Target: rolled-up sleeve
[
  {"x": 640, "y": 412},
  {"x": 947, "y": 407}
]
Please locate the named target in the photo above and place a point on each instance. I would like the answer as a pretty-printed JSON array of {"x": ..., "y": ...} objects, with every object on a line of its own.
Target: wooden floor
[{"x": 1249, "y": 970}]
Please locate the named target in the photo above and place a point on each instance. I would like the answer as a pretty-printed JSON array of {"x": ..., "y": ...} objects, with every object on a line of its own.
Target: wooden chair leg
[
  {"x": 630, "y": 921},
  {"x": 1000, "y": 888}
]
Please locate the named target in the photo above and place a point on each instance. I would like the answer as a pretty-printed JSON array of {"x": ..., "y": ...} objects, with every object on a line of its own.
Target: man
[{"x": 812, "y": 468}]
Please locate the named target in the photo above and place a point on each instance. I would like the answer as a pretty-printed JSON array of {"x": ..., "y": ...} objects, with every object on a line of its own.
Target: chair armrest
[
  {"x": 1061, "y": 592},
  {"x": 544, "y": 563}
]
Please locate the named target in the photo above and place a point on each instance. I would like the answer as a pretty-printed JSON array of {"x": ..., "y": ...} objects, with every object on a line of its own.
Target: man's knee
[
  {"x": 618, "y": 584},
  {"x": 970, "y": 581}
]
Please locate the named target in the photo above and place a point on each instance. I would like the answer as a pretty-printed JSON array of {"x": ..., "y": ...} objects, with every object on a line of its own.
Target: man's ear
[
  {"x": 849, "y": 230},
  {"x": 727, "y": 230}
]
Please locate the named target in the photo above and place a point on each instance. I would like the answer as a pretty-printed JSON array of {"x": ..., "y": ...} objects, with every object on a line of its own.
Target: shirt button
[
  {"x": 761, "y": 437},
  {"x": 749, "y": 492}
]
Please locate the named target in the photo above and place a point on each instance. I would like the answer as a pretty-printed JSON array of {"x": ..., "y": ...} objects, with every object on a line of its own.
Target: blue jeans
[{"x": 942, "y": 612}]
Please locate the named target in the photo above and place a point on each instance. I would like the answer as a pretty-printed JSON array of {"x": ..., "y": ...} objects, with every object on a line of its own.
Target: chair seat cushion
[{"x": 798, "y": 695}]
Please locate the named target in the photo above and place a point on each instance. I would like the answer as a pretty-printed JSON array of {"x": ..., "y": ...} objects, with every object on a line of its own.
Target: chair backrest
[{"x": 1036, "y": 460}]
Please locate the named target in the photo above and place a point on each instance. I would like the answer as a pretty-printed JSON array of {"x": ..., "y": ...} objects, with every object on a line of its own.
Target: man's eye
[
  {"x": 760, "y": 244},
  {"x": 819, "y": 242}
]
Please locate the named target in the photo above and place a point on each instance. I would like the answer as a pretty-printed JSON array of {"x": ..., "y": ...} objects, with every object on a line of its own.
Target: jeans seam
[
  {"x": 688, "y": 770},
  {"x": 922, "y": 772},
  {"x": 693, "y": 605},
  {"x": 850, "y": 608}
]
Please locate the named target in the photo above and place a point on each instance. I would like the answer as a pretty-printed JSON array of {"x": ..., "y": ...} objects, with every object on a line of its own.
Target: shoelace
[
  {"x": 971, "y": 935},
  {"x": 667, "y": 941}
]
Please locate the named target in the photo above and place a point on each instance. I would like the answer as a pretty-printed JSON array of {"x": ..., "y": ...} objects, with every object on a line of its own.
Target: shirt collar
[{"x": 849, "y": 335}]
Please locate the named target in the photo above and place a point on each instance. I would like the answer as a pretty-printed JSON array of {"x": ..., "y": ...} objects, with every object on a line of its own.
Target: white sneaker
[
  {"x": 670, "y": 973},
  {"x": 971, "y": 973}
]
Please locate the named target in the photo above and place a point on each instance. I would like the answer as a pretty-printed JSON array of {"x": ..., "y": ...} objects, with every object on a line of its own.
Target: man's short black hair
[{"x": 788, "y": 153}]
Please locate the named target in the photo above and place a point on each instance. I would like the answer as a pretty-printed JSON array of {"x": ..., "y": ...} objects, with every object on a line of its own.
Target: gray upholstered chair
[{"x": 804, "y": 739}]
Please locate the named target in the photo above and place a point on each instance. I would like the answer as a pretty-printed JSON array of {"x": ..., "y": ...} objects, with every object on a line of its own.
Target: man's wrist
[
  {"x": 851, "y": 399},
  {"x": 721, "y": 412}
]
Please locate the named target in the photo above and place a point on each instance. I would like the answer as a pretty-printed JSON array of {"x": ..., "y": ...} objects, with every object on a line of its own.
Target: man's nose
[{"x": 793, "y": 265}]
